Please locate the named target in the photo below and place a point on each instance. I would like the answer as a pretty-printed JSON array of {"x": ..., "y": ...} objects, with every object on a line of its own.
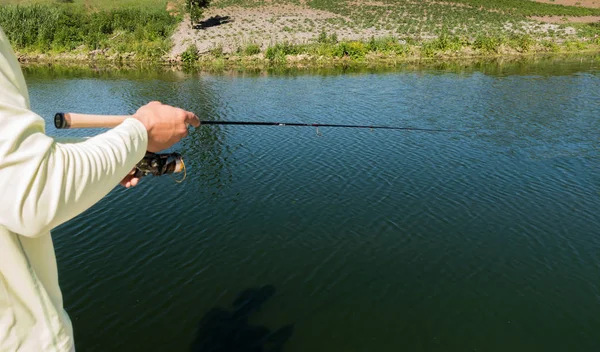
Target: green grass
[
  {"x": 56, "y": 29},
  {"x": 96, "y": 5},
  {"x": 422, "y": 19},
  {"x": 530, "y": 8},
  {"x": 414, "y": 28},
  {"x": 445, "y": 46}
]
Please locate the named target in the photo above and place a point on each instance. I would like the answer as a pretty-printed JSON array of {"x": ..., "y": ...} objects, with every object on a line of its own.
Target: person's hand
[
  {"x": 130, "y": 180},
  {"x": 166, "y": 125}
]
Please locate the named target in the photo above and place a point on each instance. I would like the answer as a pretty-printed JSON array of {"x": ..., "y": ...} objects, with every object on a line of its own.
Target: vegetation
[
  {"x": 45, "y": 28},
  {"x": 426, "y": 19},
  {"x": 196, "y": 8},
  {"x": 384, "y": 31},
  {"x": 251, "y": 49},
  {"x": 444, "y": 46},
  {"x": 190, "y": 55},
  {"x": 95, "y": 5},
  {"x": 530, "y": 8}
]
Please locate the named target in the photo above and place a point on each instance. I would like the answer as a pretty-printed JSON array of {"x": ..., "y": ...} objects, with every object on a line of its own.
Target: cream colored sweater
[{"x": 44, "y": 183}]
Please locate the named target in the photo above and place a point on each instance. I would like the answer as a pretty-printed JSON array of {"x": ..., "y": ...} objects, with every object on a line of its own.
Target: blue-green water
[{"x": 357, "y": 240}]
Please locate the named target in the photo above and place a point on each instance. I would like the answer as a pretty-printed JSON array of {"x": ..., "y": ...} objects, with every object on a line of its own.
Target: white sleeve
[{"x": 44, "y": 183}]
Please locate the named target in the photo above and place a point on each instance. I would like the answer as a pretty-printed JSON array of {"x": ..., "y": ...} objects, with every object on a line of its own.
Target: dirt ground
[
  {"x": 264, "y": 27},
  {"x": 233, "y": 28},
  {"x": 563, "y": 19},
  {"x": 582, "y": 3}
]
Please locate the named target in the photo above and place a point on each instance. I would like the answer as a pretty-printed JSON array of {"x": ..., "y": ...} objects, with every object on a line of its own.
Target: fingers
[
  {"x": 130, "y": 182},
  {"x": 192, "y": 119},
  {"x": 165, "y": 124},
  {"x": 189, "y": 118}
]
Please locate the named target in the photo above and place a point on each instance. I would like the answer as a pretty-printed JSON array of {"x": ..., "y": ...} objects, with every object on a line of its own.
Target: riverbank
[{"x": 237, "y": 34}]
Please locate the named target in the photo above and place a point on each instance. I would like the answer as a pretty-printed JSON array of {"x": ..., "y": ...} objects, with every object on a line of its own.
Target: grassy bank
[
  {"x": 387, "y": 52},
  {"x": 294, "y": 32},
  {"x": 49, "y": 30}
]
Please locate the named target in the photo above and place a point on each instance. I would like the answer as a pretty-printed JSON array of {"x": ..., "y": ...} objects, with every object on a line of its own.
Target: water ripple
[{"x": 406, "y": 240}]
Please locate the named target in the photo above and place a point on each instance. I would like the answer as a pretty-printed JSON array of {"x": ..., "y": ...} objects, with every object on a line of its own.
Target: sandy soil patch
[
  {"x": 582, "y": 3},
  {"x": 298, "y": 24},
  {"x": 563, "y": 19},
  {"x": 266, "y": 26}
]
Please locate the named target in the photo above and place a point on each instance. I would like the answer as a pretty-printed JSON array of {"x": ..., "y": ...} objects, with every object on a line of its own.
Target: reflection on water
[
  {"x": 504, "y": 66},
  {"x": 376, "y": 240},
  {"x": 209, "y": 156}
]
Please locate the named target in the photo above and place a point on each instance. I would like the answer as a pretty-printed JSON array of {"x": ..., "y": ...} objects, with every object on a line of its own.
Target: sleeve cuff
[{"x": 137, "y": 128}]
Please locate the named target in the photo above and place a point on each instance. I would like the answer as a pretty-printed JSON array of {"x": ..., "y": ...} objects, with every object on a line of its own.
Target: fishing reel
[{"x": 160, "y": 164}]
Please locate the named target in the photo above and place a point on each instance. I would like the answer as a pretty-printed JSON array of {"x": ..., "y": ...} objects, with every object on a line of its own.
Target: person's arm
[{"x": 44, "y": 183}]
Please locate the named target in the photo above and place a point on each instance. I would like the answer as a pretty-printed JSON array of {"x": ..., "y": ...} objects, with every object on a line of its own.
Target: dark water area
[{"x": 356, "y": 240}]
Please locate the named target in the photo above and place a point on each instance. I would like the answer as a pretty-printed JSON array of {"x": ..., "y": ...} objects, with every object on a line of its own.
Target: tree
[{"x": 195, "y": 8}]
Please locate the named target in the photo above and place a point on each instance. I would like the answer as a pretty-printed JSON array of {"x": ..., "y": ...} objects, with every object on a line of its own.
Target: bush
[
  {"x": 550, "y": 45},
  {"x": 281, "y": 50},
  {"x": 196, "y": 8},
  {"x": 252, "y": 49},
  {"x": 323, "y": 38},
  {"x": 190, "y": 55},
  {"x": 523, "y": 43},
  {"x": 488, "y": 44},
  {"x": 217, "y": 51},
  {"x": 387, "y": 44},
  {"x": 352, "y": 49}
]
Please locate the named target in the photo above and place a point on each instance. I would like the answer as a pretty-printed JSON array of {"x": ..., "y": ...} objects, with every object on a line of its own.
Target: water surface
[{"x": 358, "y": 240}]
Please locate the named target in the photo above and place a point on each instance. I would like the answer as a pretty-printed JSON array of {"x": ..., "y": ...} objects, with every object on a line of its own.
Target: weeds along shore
[{"x": 383, "y": 33}]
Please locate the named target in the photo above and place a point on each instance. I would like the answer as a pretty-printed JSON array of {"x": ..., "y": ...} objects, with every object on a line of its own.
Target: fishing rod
[
  {"x": 168, "y": 163},
  {"x": 317, "y": 125}
]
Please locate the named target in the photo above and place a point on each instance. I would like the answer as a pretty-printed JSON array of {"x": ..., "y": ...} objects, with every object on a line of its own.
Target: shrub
[
  {"x": 550, "y": 45},
  {"x": 190, "y": 55},
  {"x": 523, "y": 43},
  {"x": 217, "y": 51},
  {"x": 323, "y": 38},
  {"x": 278, "y": 52},
  {"x": 352, "y": 49},
  {"x": 252, "y": 49},
  {"x": 387, "y": 44},
  {"x": 196, "y": 8},
  {"x": 488, "y": 44}
]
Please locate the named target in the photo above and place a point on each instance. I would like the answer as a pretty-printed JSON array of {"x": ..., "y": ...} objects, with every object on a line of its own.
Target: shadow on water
[{"x": 222, "y": 330}]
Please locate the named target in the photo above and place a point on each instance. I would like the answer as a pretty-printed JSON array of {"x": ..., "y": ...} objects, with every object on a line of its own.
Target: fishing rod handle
[{"x": 66, "y": 120}]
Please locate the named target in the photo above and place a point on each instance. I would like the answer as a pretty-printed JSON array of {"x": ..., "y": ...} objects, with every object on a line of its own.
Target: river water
[{"x": 356, "y": 240}]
